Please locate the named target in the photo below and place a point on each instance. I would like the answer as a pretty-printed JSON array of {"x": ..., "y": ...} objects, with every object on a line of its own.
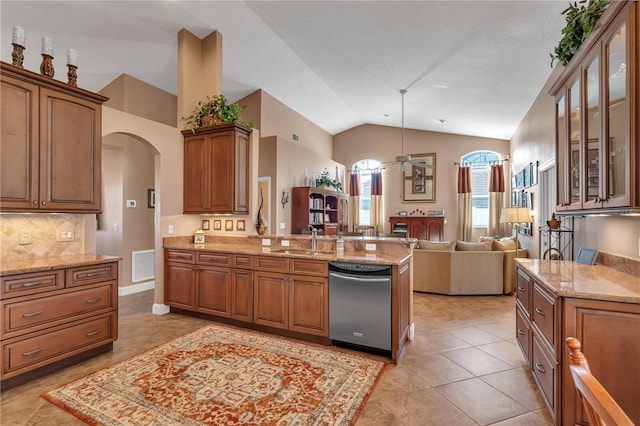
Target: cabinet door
[
  {"x": 435, "y": 229},
  {"x": 309, "y": 305},
  {"x": 180, "y": 286},
  {"x": 271, "y": 299},
  {"x": 574, "y": 168},
  {"x": 562, "y": 149},
  {"x": 70, "y": 152},
  {"x": 242, "y": 295},
  {"x": 214, "y": 291},
  {"x": 18, "y": 145},
  {"x": 418, "y": 228},
  {"x": 593, "y": 184},
  {"x": 241, "y": 172},
  {"x": 608, "y": 332},
  {"x": 221, "y": 163},
  {"x": 196, "y": 174}
]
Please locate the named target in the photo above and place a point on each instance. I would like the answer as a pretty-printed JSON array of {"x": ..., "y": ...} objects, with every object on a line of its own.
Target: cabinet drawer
[
  {"x": 523, "y": 291},
  {"x": 243, "y": 261},
  {"x": 272, "y": 264},
  {"x": 309, "y": 267},
  {"x": 45, "y": 348},
  {"x": 37, "y": 282},
  {"x": 213, "y": 259},
  {"x": 20, "y": 315},
  {"x": 84, "y": 275},
  {"x": 543, "y": 314},
  {"x": 179, "y": 256},
  {"x": 523, "y": 334},
  {"x": 544, "y": 372}
]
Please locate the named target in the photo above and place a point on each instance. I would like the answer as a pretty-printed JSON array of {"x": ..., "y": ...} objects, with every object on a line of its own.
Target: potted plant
[
  {"x": 215, "y": 110},
  {"x": 324, "y": 181},
  {"x": 581, "y": 20}
]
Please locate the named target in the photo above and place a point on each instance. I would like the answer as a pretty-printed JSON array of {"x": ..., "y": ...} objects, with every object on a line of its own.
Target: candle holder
[
  {"x": 17, "y": 55},
  {"x": 72, "y": 75},
  {"x": 46, "y": 67}
]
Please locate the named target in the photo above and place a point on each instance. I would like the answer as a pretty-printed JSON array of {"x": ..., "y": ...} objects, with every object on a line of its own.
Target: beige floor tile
[
  {"x": 426, "y": 407},
  {"x": 481, "y": 402},
  {"x": 475, "y": 335},
  {"x": 476, "y": 361},
  {"x": 534, "y": 418},
  {"x": 507, "y": 351},
  {"x": 437, "y": 370},
  {"x": 426, "y": 343},
  {"x": 504, "y": 329},
  {"x": 518, "y": 385},
  {"x": 377, "y": 414}
]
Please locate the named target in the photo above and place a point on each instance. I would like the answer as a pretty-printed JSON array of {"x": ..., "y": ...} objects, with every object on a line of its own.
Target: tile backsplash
[{"x": 44, "y": 232}]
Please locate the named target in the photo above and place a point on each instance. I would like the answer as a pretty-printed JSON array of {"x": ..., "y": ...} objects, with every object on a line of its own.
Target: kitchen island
[
  {"x": 596, "y": 304},
  {"x": 281, "y": 288}
]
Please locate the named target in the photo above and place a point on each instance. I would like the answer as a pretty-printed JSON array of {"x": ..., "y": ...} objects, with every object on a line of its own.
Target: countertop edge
[{"x": 54, "y": 262}]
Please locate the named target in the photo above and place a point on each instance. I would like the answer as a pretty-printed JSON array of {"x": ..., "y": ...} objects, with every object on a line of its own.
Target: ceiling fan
[{"x": 402, "y": 160}]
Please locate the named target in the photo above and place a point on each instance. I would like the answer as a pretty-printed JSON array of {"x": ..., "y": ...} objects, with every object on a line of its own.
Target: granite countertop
[
  {"x": 571, "y": 279},
  {"x": 55, "y": 262},
  {"x": 386, "y": 258}
]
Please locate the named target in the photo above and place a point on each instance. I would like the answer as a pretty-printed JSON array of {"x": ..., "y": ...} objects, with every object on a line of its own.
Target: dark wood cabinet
[
  {"x": 216, "y": 170},
  {"x": 242, "y": 295},
  {"x": 214, "y": 291},
  {"x": 51, "y": 144},
  {"x": 597, "y": 117},
  {"x": 55, "y": 316},
  {"x": 271, "y": 299},
  {"x": 419, "y": 227},
  {"x": 323, "y": 209},
  {"x": 309, "y": 301}
]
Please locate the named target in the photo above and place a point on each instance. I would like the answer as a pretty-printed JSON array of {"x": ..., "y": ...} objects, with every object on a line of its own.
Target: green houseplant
[
  {"x": 215, "y": 110},
  {"x": 581, "y": 20},
  {"x": 324, "y": 181}
]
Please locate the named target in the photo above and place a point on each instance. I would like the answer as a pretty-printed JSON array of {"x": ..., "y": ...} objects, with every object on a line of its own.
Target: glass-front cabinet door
[
  {"x": 617, "y": 172},
  {"x": 574, "y": 156},
  {"x": 593, "y": 119},
  {"x": 561, "y": 154}
]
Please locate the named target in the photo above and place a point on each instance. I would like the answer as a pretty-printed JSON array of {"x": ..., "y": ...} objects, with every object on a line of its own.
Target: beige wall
[
  {"x": 534, "y": 139},
  {"x": 384, "y": 143}
]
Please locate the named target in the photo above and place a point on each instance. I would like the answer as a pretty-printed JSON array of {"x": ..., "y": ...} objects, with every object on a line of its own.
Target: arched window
[
  {"x": 365, "y": 167},
  {"x": 479, "y": 161}
]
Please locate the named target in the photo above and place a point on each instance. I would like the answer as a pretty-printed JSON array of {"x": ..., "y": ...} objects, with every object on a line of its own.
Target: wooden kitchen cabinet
[
  {"x": 322, "y": 209},
  {"x": 271, "y": 299},
  {"x": 420, "y": 227},
  {"x": 51, "y": 144},
  {"x": 213, "y": 291},
  {"x": 242, "y": 288},
  {"x": 597, "y": 117},
  {"x": 55, "y": 316},
  {"x": 216, "y": 170},
  {"x": 180, "y": 279},
  {"x": 309, "y": 305}
]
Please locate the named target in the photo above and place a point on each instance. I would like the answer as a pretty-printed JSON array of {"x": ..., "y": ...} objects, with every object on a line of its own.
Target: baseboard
[
  {"x": 412, "y": 331},
  {"x": 136, "y": 288},
  {"x": 160, "y": 309}
]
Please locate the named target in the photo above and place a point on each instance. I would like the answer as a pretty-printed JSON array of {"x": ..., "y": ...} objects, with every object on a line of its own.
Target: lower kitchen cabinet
[
  {"x": 309, "y": 305},
  {"x": 242, "y": 295},
  {"x": 214, "y": 291},
  {"x": 180, "y": 285},
  {"x": 271, "y": 299},
  {"x": 51, "y": 316}
]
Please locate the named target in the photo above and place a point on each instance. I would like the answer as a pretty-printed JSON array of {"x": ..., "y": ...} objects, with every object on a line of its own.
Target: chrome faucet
[{"x": 314, "y": 238}]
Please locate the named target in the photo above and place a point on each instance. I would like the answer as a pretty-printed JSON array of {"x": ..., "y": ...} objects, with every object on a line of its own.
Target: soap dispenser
[{"x": 340, "y": 244}]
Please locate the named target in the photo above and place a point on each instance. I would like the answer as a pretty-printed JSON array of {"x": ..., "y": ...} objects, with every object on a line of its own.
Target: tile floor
[{"x": 463, "y": 367}]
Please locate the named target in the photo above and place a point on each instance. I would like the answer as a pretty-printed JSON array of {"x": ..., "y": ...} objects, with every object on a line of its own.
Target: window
[
  {"x": 365, "y": 167},
  {"x": 479, "y": 161}
]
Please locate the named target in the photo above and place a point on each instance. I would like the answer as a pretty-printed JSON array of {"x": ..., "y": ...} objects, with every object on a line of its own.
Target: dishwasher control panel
[{"x": 359, "y": 268}]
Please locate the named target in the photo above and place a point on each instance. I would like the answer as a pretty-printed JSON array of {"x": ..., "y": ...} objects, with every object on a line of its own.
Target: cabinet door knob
[
  {"x": 35, "y": 202},
  {"x": 520, "y": 331},
  {"x": 540, "y": 311},
  {"x": 540, "y": 368},
  {"x": 43, "y": 203}
]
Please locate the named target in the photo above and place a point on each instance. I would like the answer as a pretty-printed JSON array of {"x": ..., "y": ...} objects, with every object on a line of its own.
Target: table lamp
[{"x": 516, "y": 215}]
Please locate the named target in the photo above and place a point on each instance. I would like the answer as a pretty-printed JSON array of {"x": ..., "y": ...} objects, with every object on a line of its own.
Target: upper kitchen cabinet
[
  {"x": 50, "y": 151},
  {"x": 598, "y": 118},
  {"x": 216, "y": 169}
]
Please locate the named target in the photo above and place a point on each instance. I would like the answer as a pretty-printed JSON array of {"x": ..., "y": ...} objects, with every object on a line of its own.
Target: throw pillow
[
  {"x": 488, "y": 238},
  {"x": 436, "y": 245},
  {"x": 467, "y": 246},
  {"x": 506, "y": 245},
  {"x": 503, "y": 239}
]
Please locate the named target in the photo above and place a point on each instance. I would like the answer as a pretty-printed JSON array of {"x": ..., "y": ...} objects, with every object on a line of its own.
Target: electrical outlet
[
  {"x": 283, "y": 225},
  {"x": 370, "y": 247},
  {"x": 284, "y": 243},
  {"x": 266, "y": 242},
  {"x": 25, "y": 237},
  {"x": 66, "y": 235},
  {"x": 170, "y": 229}
]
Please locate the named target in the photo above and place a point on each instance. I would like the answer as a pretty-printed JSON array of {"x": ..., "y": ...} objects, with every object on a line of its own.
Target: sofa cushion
[
  {"x": 504, "y": 245},
  {"x": 468, "y": 246},
  {"x": 503, "y": 239},
  {"x": 436, "y": 245}
]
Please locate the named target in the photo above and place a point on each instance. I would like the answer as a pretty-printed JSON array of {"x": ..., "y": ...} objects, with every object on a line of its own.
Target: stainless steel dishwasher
[{"x": 360, "y": 304}]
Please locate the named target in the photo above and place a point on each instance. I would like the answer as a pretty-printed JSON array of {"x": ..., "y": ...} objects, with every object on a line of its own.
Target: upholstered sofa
[{"x": 461, "y": 268}]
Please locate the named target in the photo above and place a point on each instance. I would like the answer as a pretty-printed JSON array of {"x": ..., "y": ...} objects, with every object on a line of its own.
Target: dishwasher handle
[{"x": 359, "y": 278}]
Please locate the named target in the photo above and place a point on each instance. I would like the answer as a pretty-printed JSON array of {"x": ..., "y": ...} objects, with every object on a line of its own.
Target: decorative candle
[
  {"x": 47, "y": 46},
  {"x": 72, "y": 57},
  {"x": 18, "y": 36}
]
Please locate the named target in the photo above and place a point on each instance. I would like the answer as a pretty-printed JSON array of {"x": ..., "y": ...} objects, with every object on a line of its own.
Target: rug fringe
[{"x": 65, "y": 407}]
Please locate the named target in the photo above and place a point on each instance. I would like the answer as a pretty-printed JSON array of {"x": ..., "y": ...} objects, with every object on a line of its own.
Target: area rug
[{"x": 224, "y": 376}]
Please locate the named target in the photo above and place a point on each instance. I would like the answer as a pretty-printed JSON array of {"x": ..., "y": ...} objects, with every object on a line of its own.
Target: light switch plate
[
  {"x": 266, "y": 242},
  {"x": 284, "y": 243},
  {"x": 370, "y": 247}
]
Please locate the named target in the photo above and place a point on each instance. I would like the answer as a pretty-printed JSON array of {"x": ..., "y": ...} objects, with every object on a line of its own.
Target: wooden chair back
[{"x": 600, "y": 407}]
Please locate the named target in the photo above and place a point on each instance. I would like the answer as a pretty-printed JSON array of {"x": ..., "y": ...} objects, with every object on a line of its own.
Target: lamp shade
[{"x": 516, "y": 215}]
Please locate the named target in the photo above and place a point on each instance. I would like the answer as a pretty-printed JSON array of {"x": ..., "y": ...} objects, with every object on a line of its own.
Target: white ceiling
[{"x": 477, "y": 65}]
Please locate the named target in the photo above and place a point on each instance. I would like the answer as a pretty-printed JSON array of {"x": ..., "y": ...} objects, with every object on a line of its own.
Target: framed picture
[
  {"x": 151, "y": 198},
  {"x": 534, "y": 173},
  {"x": 526, "y": 172},
  {"x": 431, "y": 213},
  {"x": 217, "y": 225},
  {"x": 587, "y": 256},
  {"x": 240, "y": 225},
  {"x": 205, "y": 225},
  {"x": 520, "y": 180},
  {"x": 419, "y": 180},
  {"x": 440, "y": 212},
  {"x": 228, "y": 225}
]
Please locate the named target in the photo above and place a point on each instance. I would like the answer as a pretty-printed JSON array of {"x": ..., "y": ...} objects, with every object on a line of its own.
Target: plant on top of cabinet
[
  {"x": 581, "y": 20},
  {"x": 216, "y": 110}
]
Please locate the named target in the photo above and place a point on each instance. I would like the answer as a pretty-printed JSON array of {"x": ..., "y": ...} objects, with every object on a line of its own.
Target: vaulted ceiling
[{"x": 470, "y": 67}]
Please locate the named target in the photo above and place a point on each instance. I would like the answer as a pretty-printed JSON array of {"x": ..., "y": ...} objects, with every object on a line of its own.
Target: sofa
[{"x": 463, "y": 268}]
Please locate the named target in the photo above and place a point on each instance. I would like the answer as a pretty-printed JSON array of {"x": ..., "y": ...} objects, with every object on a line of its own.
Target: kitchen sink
[{"x": 306, "y": 252}]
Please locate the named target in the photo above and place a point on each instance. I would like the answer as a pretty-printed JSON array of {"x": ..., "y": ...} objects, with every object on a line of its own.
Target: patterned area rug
[{"x": 223, "y": 376}]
